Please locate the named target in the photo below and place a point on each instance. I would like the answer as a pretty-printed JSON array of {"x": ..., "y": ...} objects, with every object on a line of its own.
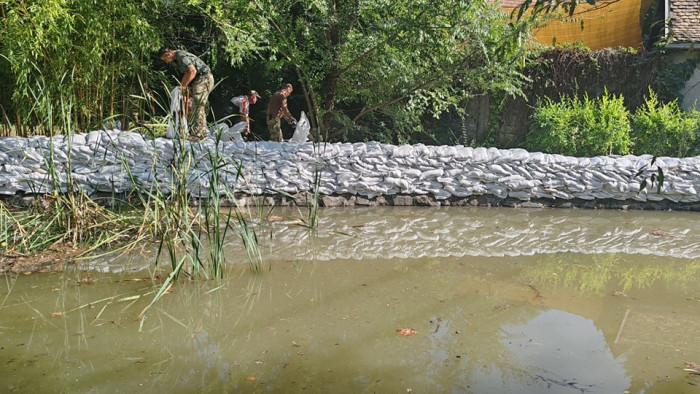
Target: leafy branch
[{"x": 657, "y": 177}]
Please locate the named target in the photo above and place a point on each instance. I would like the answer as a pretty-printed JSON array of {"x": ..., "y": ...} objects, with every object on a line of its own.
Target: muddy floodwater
[{"x": 385, "y": 300}]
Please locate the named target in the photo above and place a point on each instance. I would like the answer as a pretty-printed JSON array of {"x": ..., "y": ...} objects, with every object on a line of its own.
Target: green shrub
[
  {"x": 581, "y": 127},
  {"x": 664, "y": 129},
  {"x": 552, "y": 130}
]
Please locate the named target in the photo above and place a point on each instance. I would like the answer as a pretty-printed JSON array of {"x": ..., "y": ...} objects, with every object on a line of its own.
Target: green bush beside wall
[
  {"x": 587, "y": 127},
  {"x": 665, "y": 129},
  {"x": 603, "y": 126}
]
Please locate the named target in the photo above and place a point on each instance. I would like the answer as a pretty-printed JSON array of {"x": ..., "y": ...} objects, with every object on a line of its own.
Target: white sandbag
[
  {"x": 174, "y": 121},
  {"x": 301, "y": 132},
  {"x": 234, "y": 132},
  {"x": 224, "y": 133}
]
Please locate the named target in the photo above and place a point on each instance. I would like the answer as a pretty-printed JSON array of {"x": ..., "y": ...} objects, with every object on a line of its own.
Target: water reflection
[
  {"x": 209, "y": 362},
  {"x": 488, "y": 317},
  {"x": 563, "y": 353},
  {"x": 422, "y": 232},
  {"x": 595, "y": 273},
  {"x": 455, "y": 232}
]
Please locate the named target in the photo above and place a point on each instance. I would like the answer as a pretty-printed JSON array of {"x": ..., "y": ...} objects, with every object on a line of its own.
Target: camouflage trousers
[
  {"x": 275, "y": 129},
  {"x": 199, "y": 96}
]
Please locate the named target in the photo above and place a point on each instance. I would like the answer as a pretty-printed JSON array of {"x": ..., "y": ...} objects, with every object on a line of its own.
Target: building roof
[{"x": 685, "y": 21}]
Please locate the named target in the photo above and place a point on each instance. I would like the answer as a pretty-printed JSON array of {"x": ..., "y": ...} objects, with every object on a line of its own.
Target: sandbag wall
[{"x": 118, "y": 161}]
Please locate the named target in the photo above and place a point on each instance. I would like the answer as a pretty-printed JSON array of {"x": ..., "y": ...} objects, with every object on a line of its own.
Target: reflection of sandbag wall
[
  {"x": 362, "y": 169},
  {"x": 412, "y": 233}
]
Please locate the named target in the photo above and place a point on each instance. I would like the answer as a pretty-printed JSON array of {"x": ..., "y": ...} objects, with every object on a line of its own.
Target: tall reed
[
  {"x": 189, "y": 232},
  {"x": 312, "y": 206},
  {"x": 214, "y": 230},
  {"x": 187, "y": 229},
  {"x": 65, "y": 214},
  {"x": 6, "y": 220}
]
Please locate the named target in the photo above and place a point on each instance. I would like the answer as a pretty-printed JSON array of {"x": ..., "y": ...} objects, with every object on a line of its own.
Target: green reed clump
[
  {"x": 186, "y": 230},
  {"x": 312, "y": 206},
  {"x": 312, "y": 200},
  {"x": 251, "y": 244},
  {"x": 244, "y": 217},
  {"x": 65, "y": 215},
  {"x": 214, "y": 229}
]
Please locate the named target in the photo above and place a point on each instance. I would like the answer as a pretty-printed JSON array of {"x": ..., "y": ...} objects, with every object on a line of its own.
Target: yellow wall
[{"x": 606, "y": 26}]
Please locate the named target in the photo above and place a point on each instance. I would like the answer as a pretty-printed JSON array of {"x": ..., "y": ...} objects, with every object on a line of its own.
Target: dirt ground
[{"x": 54, "y": 259}]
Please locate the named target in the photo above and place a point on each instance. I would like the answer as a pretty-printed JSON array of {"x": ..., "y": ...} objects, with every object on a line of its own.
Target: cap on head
[{"x": 254, "y": 93}]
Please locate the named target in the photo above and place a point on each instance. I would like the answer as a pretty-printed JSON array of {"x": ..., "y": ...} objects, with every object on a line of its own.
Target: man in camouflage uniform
[
  {"x": 276, "y": 109},
  {"x": 198, "y": 80}
]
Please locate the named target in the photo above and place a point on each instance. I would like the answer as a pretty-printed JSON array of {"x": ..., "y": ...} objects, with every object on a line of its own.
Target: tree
[
  {"x": 397, "y": 58},
  {"x": 76, "y": 56},
  {"x": 83, "y": 60},
  {"x": 358, "y": 61}
]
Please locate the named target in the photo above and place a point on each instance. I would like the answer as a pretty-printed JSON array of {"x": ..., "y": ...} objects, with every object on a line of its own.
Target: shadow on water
[{"x": 492, "y": 300}]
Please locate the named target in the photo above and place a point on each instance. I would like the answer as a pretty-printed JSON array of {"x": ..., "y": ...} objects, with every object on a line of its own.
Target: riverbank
[{"x": 24, "y": 201}]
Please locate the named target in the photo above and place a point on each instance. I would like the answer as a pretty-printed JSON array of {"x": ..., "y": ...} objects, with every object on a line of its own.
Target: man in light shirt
[{"x": 241, "y": 114}]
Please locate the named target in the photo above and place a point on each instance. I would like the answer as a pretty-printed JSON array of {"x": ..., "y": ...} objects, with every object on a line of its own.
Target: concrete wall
[{"x": 691, "y": 93}]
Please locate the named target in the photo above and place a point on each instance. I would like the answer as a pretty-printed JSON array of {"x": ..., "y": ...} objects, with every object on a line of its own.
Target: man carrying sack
[
  {"x": 198, "y": 80},
  {"x": 242, "y": 114}
]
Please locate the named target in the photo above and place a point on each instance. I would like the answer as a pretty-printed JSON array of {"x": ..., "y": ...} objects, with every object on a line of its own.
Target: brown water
[{"x": 501, "y": 301}]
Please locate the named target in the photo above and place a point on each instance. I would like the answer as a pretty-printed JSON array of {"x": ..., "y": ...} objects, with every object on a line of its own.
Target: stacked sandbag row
[{"x": 117, "y": 161}]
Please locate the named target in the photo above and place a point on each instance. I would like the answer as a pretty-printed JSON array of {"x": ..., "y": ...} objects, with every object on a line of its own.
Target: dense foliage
[
  {"x": 391, "y": 71},
  {"x": 665, "y": 130},
  {"x": 374, "y": 61},
  {"x": 604, "y": 126},
  {"x": 81, "y": 56},
  {"x": 366, "y": 63},
  {"x": 86, "y": 61},
  {"x": 587, "y": 127}
]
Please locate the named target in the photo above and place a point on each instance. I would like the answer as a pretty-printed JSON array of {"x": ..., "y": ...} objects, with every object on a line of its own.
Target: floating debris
[
  {"x": 692, "y": 368},
  {"x": 407, "y": 331}
]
